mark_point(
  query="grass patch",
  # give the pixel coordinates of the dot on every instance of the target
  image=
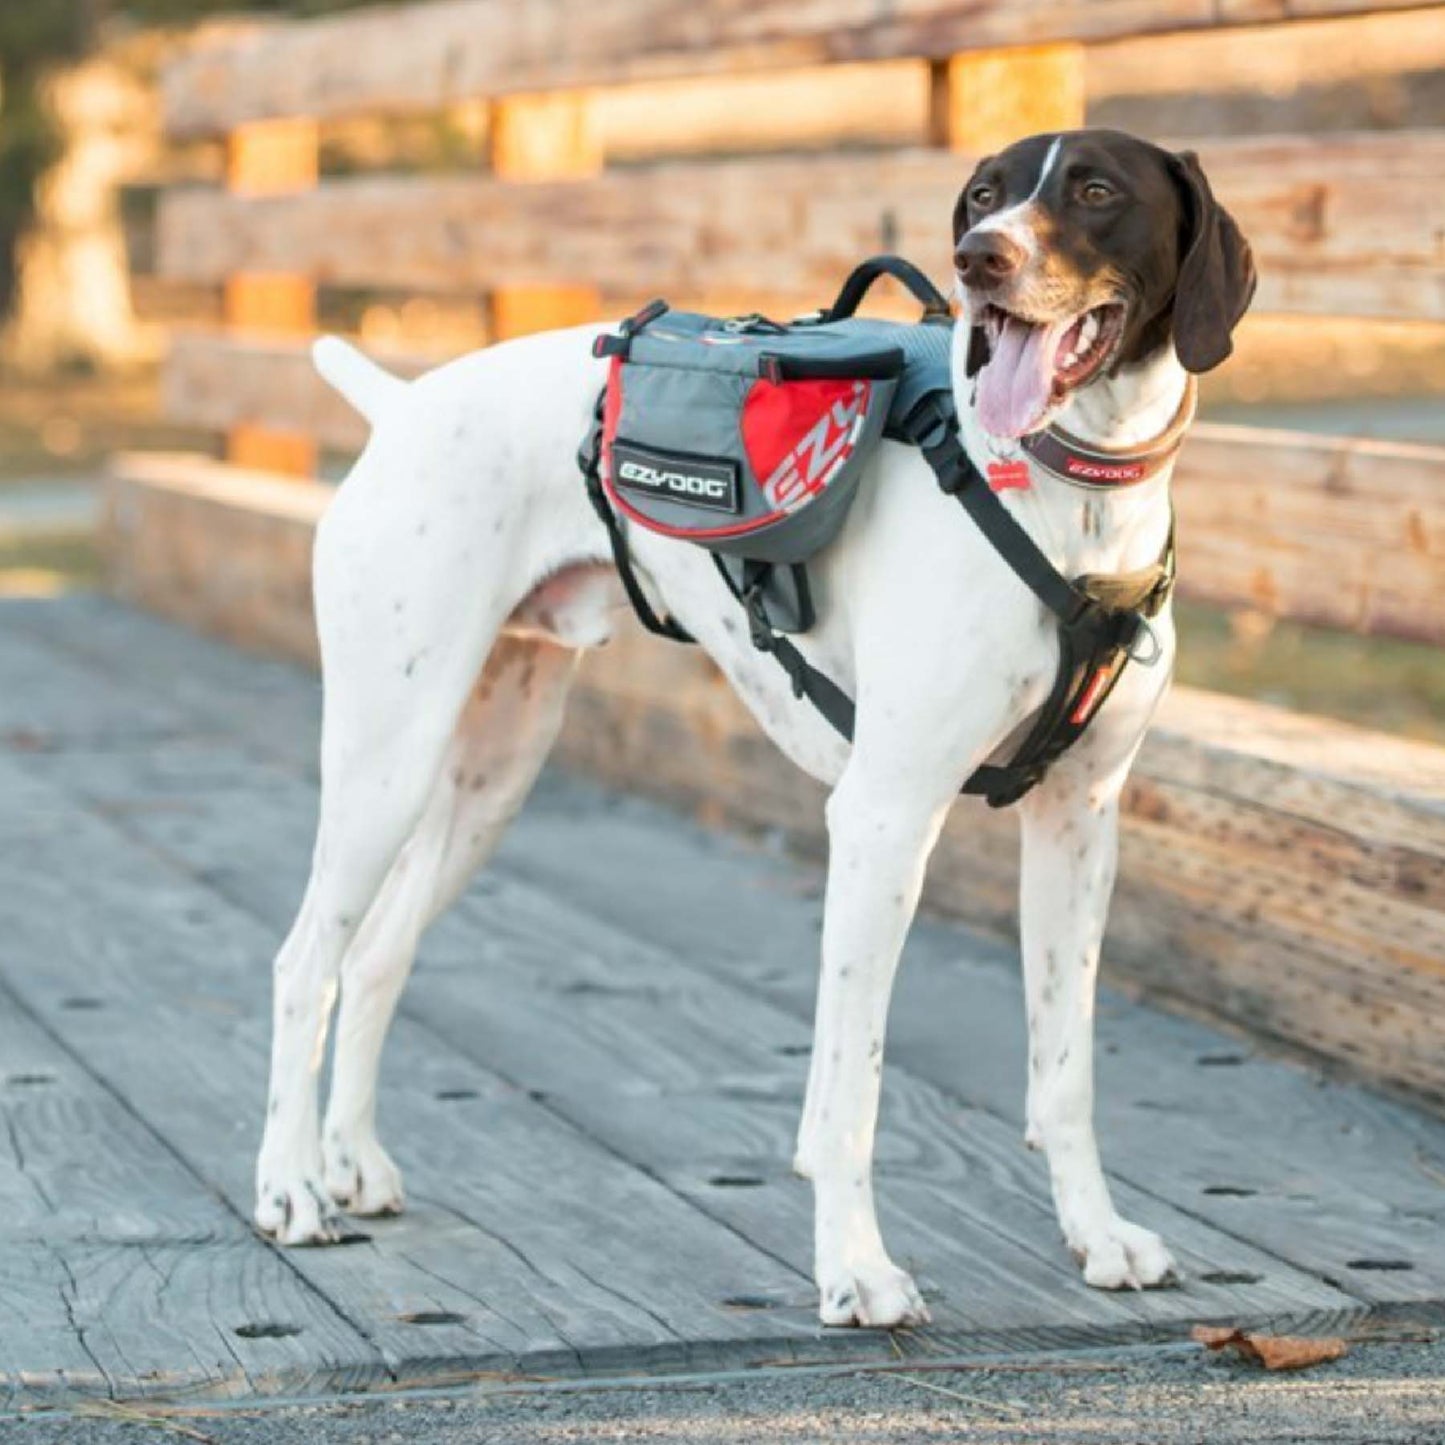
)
(42, 563)
(69, 425)
(1373, 682)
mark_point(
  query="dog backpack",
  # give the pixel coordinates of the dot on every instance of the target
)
(749, 437)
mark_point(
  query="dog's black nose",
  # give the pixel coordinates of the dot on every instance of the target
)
(987, 258)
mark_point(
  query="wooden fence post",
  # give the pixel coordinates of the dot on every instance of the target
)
(543, 138)
(269, 158)
(984, 99)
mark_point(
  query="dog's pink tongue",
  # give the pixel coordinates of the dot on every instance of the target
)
(1014, 388)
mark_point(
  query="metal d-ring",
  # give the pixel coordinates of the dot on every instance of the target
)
(1156, 650)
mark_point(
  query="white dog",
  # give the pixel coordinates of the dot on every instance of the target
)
(461, 571)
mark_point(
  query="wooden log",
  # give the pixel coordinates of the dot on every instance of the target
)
(220, 381)
(884, 103)
(1362, 72)
(421, 58)
(271, 158)
(985, 99)
(536, 138)
(1345, 226)
(1334, 531)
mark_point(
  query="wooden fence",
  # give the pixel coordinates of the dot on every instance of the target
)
(746, 154)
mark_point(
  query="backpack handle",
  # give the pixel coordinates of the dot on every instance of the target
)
(865, 274)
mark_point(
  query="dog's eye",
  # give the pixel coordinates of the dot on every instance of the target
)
(1095, 193)
(982, 196)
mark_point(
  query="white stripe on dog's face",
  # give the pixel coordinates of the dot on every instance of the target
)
(1019, 222)
(1063, 245)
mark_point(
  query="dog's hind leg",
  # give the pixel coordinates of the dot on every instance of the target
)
(501, 741)
(405, 622)
(1070, 843)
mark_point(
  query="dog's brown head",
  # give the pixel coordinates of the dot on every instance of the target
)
(1081, 252)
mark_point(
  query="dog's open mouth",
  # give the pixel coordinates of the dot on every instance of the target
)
(1032, 366)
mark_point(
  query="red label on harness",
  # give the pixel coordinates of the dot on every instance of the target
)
(1003, 475)
(1092, 693)
(798, 433)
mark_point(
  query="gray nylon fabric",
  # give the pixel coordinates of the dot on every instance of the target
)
(927, 362)
(685, 379)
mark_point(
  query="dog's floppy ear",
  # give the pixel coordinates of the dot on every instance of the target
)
(1216, 275)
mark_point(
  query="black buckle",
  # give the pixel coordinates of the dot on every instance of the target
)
(758, 625)
(644, 317)
(932, 430)
(620, 344)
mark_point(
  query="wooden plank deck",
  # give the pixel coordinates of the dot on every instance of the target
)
(594, 1100)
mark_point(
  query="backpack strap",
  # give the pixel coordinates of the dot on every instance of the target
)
(855, 288)
(1103, 621)
(820, 690)
(589, 459)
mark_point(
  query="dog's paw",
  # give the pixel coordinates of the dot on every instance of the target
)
(361, 1178)
(803, 1160)
(1123, 1256)
(295, 1210)
(805, 1150)
(878, 1296)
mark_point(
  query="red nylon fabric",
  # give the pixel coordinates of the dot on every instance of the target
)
(781, 423)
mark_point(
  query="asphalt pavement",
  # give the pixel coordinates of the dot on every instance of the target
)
(1386, 1393)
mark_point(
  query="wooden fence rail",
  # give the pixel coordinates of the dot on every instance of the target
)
(1350, 225)
(1334, 531)
(390, 60)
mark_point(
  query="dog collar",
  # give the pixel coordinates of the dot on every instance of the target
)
(1084, 465)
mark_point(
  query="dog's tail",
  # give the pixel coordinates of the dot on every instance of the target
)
(367, 386)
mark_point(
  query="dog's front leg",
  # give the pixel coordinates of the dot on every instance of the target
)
(878, 846)
(1070, 845)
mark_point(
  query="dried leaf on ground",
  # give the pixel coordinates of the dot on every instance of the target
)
(1273, 1352)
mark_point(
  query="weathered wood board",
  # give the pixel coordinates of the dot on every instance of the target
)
(1347, 224)
(700, 1085)
(620, 1269)
(648, 1038)
(556, 844)
(568, 1054)
(951, 1008)
(378, 60)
